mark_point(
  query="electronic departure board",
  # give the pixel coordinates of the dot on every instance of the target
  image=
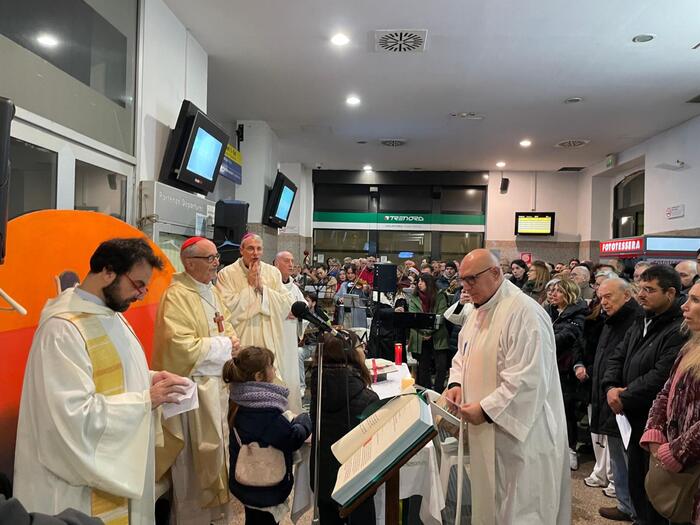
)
(534, 223)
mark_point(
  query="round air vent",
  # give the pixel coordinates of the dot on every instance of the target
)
(571, 143)
(393, 143)
(400, 40)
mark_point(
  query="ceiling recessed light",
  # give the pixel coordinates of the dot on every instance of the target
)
(339, 39)
(367, 167)
(573, 100)
(500, 164)
(47, 40)
(525, 143)
(353, 100)
(643, 38)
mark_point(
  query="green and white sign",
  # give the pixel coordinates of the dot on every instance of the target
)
(399, 221)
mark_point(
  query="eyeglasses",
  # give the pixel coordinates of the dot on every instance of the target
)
(142, 290)
(209, 258)
(649, 290)
(471, 279)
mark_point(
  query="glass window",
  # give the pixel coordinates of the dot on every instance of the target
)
(467, 201)
(628, 212)
(341, 197)
(341, 243)
(405, 199)
(455, 245)
(411, 245)
(630, 192)
(32, 178)
(73, 62)
(98, 189)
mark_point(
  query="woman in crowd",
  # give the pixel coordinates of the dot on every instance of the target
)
(341, 279)
(429, 347)
(672, 435)
(345, 315)
(518, 269)
(537, 279)
(568, 311)
(259, 413)
(346, 394)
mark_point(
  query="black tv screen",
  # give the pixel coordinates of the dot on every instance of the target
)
(279, 202)
(195, 150)
(534, 223)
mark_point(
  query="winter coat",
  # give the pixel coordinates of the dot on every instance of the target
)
(614, 329)
(518, 282)
(339, 415)
(538, 293)
(568, 329)
(268, 427)
(440, 337)
(678, 432)
(642, 364)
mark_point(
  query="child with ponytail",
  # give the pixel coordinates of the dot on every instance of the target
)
(259, 413)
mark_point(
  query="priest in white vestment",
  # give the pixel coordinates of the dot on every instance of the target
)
(193, 337)
(505, 378)
(258, 303)
(85, 437)
(292, 330)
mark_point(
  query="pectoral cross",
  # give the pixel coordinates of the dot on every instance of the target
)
(219, 320)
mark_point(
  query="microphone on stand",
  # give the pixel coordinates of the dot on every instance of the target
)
(300, 310)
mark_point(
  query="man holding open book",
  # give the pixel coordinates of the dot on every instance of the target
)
(504, 376)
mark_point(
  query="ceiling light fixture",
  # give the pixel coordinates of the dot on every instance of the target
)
(643, 38)
(367, 167)
(339, 39)
(500, 164)
(525, 143)
(353, 100)
(47, 40)
(573, 100)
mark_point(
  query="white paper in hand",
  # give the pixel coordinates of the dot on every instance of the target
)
(188, 401)
(625, 429)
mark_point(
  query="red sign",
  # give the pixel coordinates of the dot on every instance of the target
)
(526, 257)
(622, 246)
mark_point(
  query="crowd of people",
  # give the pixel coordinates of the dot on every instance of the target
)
(98, 432)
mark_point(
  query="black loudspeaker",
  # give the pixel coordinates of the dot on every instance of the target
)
(7, 113)
(504, 185)
(230, 221)
(385, 278)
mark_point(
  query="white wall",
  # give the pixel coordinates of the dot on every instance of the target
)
(531, 191)
(259, 151)
(173, 68)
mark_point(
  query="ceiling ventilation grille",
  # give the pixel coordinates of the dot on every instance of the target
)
(572, 143)
(571, 168)
(393, 143)
(400, 40)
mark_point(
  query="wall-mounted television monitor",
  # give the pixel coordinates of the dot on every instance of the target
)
(534, 223)
(279, 202)
(194, 152)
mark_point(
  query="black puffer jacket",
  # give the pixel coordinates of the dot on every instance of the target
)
(338, 417)
(642, 364)
(568, 329)
(614, 330)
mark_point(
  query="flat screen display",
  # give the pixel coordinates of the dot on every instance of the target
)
(285, 203)
(534, 223)
(205, 154)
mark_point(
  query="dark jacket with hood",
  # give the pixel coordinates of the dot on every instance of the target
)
(568, 329)
(614, 329)
(339, 414)
(642, 363)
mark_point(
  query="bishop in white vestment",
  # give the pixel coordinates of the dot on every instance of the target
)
(85, 437)
(505, 377)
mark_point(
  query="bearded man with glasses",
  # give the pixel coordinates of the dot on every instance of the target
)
(505, 380)
(194, 337)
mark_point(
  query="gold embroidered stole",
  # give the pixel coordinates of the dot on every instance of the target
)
(108, 376)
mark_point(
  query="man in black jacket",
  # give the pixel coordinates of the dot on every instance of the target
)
(619, 313)
(638, 369)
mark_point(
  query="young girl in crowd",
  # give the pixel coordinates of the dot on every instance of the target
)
(259, 414)
(345, 396)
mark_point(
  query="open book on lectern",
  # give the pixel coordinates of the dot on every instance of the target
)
(379, 442)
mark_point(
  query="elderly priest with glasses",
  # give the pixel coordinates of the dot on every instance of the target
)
(504, 377)
(194, 338)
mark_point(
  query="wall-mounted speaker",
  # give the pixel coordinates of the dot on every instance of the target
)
(385, 278)
(505, 182)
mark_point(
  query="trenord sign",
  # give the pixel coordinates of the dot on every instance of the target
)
(404, 218)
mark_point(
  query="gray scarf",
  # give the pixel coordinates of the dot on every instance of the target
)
(259, 394)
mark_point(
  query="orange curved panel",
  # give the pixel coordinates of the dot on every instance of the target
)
(40, 246)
